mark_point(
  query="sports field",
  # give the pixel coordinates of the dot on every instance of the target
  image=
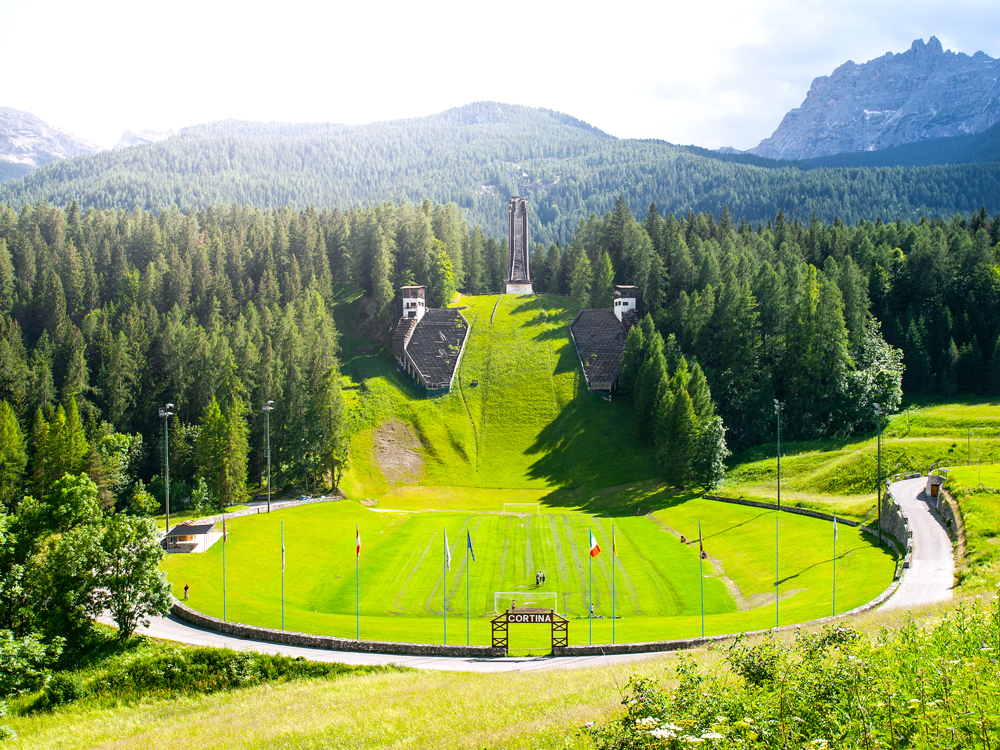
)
(528, 432)
(657, 581)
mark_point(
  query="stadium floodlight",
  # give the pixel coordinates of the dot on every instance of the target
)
(521, 509)
(504, 600)
(165, 415)
(268, 408)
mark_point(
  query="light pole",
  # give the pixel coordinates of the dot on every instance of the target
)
(777, 411)
(165, 415)
(879, 413)
(268, 408)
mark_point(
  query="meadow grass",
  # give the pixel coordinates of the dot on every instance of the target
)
(977, 490)
(544, 709)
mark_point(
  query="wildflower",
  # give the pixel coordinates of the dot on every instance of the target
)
(648, 721)
(711, 736)
(589, 724)
(663, 733)
(692, 740)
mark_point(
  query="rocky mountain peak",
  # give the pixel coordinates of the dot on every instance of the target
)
(925, 92)
(28, 140)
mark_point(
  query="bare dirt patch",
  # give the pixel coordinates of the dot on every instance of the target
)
(397, 450)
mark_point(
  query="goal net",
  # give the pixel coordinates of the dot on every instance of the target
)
(520, 509)
(504, 600)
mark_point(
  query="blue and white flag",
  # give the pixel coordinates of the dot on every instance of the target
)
(468, 543)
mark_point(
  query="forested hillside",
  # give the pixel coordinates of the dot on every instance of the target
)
(122, 311)
(479, 155)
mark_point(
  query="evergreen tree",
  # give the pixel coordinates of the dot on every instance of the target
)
(13, 457)
(602, 291)
(631, 360)
(581, 278)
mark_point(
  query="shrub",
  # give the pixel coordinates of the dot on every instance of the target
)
(913, 687)
(64, 687)
(24, 662)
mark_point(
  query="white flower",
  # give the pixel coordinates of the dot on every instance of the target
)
(663, 733)
(649, 721)
(692, 740)
(711, 736)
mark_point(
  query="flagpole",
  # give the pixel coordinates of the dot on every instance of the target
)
(357, 584)
(467, 631)
(835, 563)
(282, 574)
(444, 569)
(776, 575)
(614, 554)
(223, 566)
(590, 616)
(701, 579)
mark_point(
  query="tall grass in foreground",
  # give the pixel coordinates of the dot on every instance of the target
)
(930, 687)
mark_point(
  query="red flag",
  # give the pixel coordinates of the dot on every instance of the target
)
(358, 553)
(595, 550)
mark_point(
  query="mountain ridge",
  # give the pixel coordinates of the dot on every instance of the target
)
(925, 92)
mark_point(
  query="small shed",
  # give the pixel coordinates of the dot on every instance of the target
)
(191, 537)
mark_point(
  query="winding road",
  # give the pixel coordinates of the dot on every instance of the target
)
(929, 579)
(931, 574)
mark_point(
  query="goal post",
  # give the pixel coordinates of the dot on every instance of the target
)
(520, 509)
(503, 600)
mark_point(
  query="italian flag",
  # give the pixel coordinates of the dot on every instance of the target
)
(595, 550)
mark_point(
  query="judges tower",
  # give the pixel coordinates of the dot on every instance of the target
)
(518, 276)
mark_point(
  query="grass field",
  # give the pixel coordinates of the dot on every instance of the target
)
(403, 581)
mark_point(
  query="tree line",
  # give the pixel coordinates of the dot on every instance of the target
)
(479, 155)
(828, 319)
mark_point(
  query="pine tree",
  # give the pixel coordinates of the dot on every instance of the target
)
(602, 291)
(631, 360)
(652, 371)
(382, 293)
(13, 457)
(581, 278)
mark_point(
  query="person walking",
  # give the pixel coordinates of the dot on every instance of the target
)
(186, 590)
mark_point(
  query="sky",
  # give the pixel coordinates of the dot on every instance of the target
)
(712, 73)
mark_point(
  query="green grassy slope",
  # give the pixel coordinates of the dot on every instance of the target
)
(529, 423)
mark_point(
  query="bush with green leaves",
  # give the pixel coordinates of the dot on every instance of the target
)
(6, 733)
(921, 687)
(63, 687)
(25, 662)
(204, 670)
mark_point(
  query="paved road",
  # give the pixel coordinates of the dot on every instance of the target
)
(174, 629)
(932, 567)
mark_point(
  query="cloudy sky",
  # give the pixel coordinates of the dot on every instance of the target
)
(713, 72)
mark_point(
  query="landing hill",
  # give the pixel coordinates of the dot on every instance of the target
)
(518, 419)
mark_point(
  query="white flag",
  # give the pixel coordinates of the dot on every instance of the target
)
(447, 552)
(835, 528)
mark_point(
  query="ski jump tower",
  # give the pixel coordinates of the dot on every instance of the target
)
(518, 276)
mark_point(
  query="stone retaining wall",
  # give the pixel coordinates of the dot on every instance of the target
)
(274, 506)
(327, 642)
(784, 509)
(679, 645)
